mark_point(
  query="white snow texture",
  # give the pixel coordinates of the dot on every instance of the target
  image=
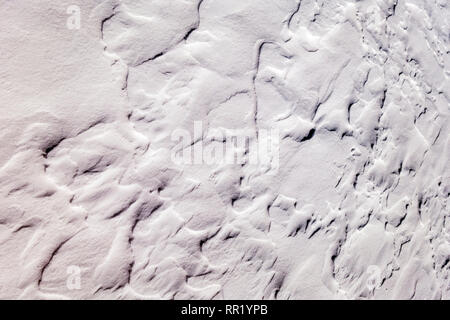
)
(354, 203)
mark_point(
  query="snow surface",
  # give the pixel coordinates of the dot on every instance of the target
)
(92, 204)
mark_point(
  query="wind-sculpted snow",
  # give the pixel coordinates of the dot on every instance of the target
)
(351, 97)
